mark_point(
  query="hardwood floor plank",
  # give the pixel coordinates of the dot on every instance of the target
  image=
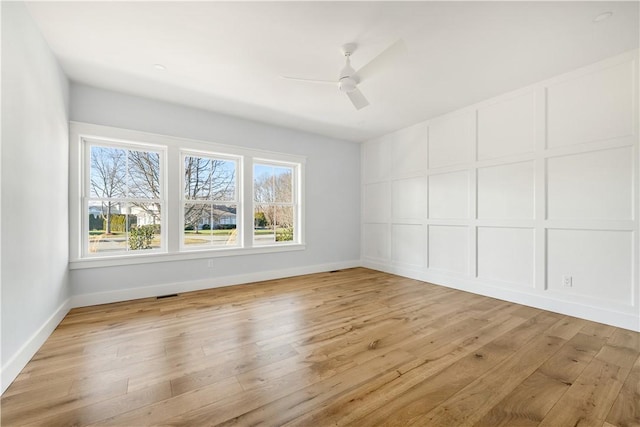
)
(211, 375)
(355, 405)
(530, 402)
(157, 413)
(95, 412)
(38, 409)
(590, 397)
(625, 411)
(598, 330)
(437, 379)
(290, 406)
(357, 347)
(476, 399)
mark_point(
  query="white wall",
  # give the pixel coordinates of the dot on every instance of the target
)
(331, 192)
(505, 197)
(34, 190)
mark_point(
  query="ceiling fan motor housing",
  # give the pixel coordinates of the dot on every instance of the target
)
(347, 84)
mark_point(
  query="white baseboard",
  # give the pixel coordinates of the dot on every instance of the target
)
(19, 360)
(84, 300)
(627, 319)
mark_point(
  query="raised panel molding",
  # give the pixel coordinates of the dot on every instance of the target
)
(409, 150)
(408, 244)
(599, 263)
(376, 241)
(507, 127)
(595, 185)
(506, 191)
(451, 140)
(516, 192)
(506, 255)
(409, 198)
(591, 107)
(375, 160)
(448, 248)
(376, 206)
(449, 195)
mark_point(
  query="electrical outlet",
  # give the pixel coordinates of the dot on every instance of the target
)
(567, 281)
(210, 263)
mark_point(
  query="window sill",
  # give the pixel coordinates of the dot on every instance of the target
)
(114, 261)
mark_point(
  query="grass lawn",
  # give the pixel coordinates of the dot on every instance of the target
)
(208, 232)
(187, 233)
(222, 232)
(101, 232)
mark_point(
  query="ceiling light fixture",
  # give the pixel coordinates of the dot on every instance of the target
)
(160, 67)
(603, 16)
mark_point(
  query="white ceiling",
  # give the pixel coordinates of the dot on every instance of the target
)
(228, 56)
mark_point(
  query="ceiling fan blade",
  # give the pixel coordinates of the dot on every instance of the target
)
(334, 82)
(357, 99)
(385, 59)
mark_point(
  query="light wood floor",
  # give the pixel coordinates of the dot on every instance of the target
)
(355, 347)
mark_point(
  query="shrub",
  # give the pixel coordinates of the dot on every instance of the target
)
(96, 222)
(141, 237)
(260, 219)
(225, 227)
(119, 222)
(284, 234)
(206, 227)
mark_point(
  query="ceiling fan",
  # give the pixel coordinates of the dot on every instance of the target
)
(348, 79)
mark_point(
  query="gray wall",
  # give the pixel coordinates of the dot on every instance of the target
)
(332, 191)
(34, 180)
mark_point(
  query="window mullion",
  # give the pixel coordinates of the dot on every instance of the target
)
(173, 186)
(248, 202)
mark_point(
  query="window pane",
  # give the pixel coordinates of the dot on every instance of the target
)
(107, 224)
(144, 174)
(264, 225)
(108, 172)
(209, 225)
(272, 184)
(197, 172)
(284, 223)
(263, 183)
(223, 182)
(283, 184)
(209, 179)
(274, 203)
(144, 226)
(116, 227)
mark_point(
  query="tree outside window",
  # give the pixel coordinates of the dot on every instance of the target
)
(274, 203)
(210, 202)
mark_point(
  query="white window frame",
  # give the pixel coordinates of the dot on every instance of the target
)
(173, 223)
(87, 144)
(296, 196)
(238, 199)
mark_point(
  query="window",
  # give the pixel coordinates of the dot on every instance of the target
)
(275, 207)
(124, 199)
(153, 198)
(210, 202)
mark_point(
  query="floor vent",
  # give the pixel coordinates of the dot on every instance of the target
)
(334, 271)
(167, 296)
